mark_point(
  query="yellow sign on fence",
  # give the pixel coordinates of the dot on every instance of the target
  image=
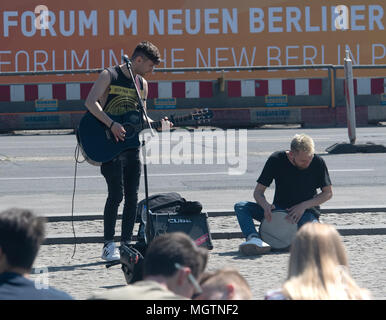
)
(46, 105)
(276, 100)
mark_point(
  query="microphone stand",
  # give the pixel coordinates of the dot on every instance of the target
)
(143, 115)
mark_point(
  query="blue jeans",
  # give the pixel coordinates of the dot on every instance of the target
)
(246, 211)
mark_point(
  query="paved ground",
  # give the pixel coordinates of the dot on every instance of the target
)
(37, 171)
(86, 273)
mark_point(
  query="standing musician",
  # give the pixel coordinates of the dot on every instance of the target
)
(298, 174)
(114, 93)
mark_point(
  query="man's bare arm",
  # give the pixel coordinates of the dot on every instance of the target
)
(297, 211)
(320, 198)
(97, 91)
(259, 196)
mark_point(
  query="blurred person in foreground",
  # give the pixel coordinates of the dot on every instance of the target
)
(172, 264)
(224, 284)
(21, 234)
(318, 268)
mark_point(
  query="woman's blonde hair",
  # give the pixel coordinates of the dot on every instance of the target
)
(302, 142)
(318, 267)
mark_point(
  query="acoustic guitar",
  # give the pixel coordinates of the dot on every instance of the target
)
(98, 144)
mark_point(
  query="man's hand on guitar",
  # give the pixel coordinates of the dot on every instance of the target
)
(166, 124)
(118, 131)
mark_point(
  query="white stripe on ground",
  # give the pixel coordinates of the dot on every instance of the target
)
(154, 175)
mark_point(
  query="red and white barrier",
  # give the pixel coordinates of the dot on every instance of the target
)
(167, 89)
(369, 86)
(190, 89)
(32, 92)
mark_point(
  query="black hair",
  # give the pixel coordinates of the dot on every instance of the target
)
(21, 234)
(148, 50)
(170, 248)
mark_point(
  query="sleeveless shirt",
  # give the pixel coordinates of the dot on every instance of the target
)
(122, 96)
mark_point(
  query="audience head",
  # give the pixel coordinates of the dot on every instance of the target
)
(318, 266)
(175, 257)
(224, 284)
(21, 234)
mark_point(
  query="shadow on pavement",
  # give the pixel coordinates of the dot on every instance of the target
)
(68, 267)
(238, 256)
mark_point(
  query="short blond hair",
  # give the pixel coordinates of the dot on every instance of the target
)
(219, 279)
(302, 142)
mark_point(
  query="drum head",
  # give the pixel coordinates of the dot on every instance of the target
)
(279, 232)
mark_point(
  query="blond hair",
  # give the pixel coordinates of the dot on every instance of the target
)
(318, 267)
(302, 142)
(219, 279)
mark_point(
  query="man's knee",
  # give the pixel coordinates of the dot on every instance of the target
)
(308, 217)
(115, 198)
(131, 199)
(239, 206)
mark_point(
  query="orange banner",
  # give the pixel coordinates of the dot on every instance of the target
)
(72, 35)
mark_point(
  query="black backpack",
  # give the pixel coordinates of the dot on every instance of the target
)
(171, 202)
(161, 202)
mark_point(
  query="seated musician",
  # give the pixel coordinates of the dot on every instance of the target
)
(298, 173)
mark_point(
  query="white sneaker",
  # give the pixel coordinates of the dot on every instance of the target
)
(254, 246)
(110, 252)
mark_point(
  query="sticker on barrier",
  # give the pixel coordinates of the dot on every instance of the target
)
(276, 116)
(276, 100)
(46, 105)
(383, 99)
(165, 103)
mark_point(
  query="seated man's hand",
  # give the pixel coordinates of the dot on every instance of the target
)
(295, 213)
(268, 212)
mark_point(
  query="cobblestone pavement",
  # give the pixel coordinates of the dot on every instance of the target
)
(86, 273)
(220, 224)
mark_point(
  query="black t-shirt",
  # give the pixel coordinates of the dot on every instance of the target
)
(14, 286)
(293, 185)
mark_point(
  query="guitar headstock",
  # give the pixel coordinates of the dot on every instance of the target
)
(202, 116)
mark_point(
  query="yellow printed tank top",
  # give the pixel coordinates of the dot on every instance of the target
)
(122, 96)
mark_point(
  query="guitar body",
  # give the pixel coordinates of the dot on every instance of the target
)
(98, 144)
(97, 141)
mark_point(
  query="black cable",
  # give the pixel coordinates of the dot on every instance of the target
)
(76, 156)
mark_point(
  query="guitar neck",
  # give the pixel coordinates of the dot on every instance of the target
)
(174, 119)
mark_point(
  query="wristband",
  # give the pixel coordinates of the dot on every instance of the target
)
(111, 125)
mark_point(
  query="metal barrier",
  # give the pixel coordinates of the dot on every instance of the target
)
(246, 102)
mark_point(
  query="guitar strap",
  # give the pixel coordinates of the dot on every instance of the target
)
(137, 80)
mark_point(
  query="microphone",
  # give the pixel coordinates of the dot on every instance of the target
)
(126, 59)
